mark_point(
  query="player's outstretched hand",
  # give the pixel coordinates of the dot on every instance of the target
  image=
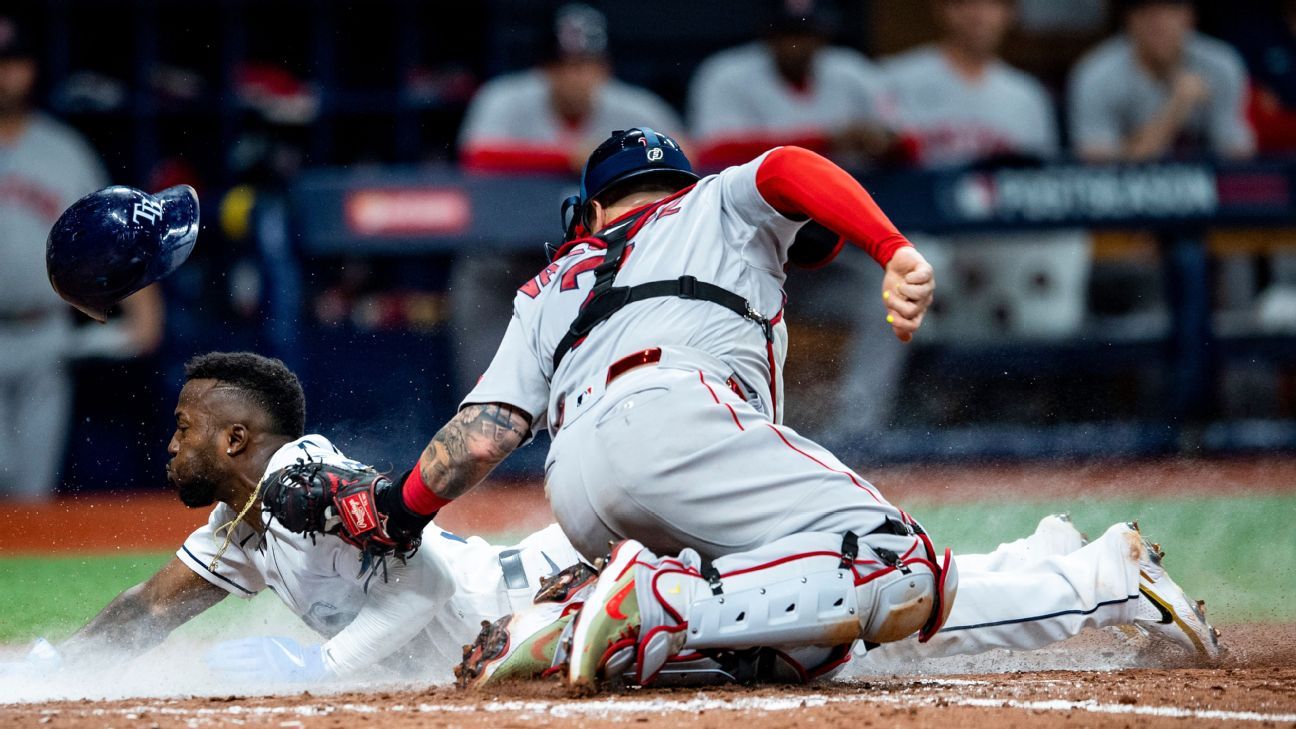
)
(42, 660)
(267, 660)
(332, 498)
(907, 289)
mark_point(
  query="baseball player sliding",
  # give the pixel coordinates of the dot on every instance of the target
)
(651, 348)
(239, 420)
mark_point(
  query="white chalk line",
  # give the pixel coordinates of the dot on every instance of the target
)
(612, 707)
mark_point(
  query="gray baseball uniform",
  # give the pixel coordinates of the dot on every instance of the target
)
(47, 168)
(956, 119)
(1112, 95)
(665, 429)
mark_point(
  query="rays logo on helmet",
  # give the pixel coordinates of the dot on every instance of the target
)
(148, 209)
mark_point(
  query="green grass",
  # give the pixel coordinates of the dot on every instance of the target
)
(1237, 553)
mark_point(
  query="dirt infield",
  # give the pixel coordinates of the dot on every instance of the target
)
(157, 520)
(1255, 686)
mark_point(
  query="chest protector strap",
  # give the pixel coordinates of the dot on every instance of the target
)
(607, 299)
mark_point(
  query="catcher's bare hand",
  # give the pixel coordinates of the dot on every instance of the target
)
(907, 289)
(335, 499)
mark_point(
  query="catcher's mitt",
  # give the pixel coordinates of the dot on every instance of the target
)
(334, 499)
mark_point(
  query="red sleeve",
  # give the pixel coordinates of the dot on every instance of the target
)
(510, 156)
(800, 183)
(721, 152)
(1274, 125)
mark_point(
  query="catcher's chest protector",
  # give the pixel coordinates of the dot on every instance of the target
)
(607, 299)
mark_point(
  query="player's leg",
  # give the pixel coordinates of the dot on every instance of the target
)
(41, 403)
(812, 589)
(680, 462)
(9, 469)
(1115, 580)
(1054, 535)
(677, 460)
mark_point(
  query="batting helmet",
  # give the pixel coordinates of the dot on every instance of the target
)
(626, 155)
(116, 241)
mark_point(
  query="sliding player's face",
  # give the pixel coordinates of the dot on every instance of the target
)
(195, 466)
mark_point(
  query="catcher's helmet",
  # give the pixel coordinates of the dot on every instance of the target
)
(116, 241)
(627, 154)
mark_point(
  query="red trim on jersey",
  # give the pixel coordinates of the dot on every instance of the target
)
(566, 247)
(798, 182)
(714, 396)
(847, 474)
(649, 208)
(781, 560)
(511, 155)
(773, 363)
(419, 497)
(735, 149)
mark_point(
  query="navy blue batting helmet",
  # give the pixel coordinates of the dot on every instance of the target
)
(626, 155)
(116, 241)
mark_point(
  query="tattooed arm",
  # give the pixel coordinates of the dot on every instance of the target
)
(468, 447)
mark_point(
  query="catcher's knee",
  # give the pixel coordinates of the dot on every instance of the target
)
(906, 595)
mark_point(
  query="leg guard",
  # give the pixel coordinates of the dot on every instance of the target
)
(803, 590)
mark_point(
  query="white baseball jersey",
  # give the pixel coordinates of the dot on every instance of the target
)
(722, 232)
(366, 609)
(957, 120)
(515, 108)
(740, 92)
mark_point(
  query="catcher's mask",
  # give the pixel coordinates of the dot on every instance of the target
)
(625, 155)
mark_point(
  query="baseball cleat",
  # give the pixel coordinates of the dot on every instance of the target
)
(566, 584)
(1165, 611)
(514, 647)
(608, 622)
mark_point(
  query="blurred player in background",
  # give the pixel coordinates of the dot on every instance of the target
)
(790, 87)
(44, 167)
(542, 120)
(240, 418)
(1159, 90)
(548, 118)
(959, 103)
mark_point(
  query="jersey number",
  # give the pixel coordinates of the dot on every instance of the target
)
(533, 287)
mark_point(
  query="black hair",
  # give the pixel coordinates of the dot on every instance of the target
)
(267, 382)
